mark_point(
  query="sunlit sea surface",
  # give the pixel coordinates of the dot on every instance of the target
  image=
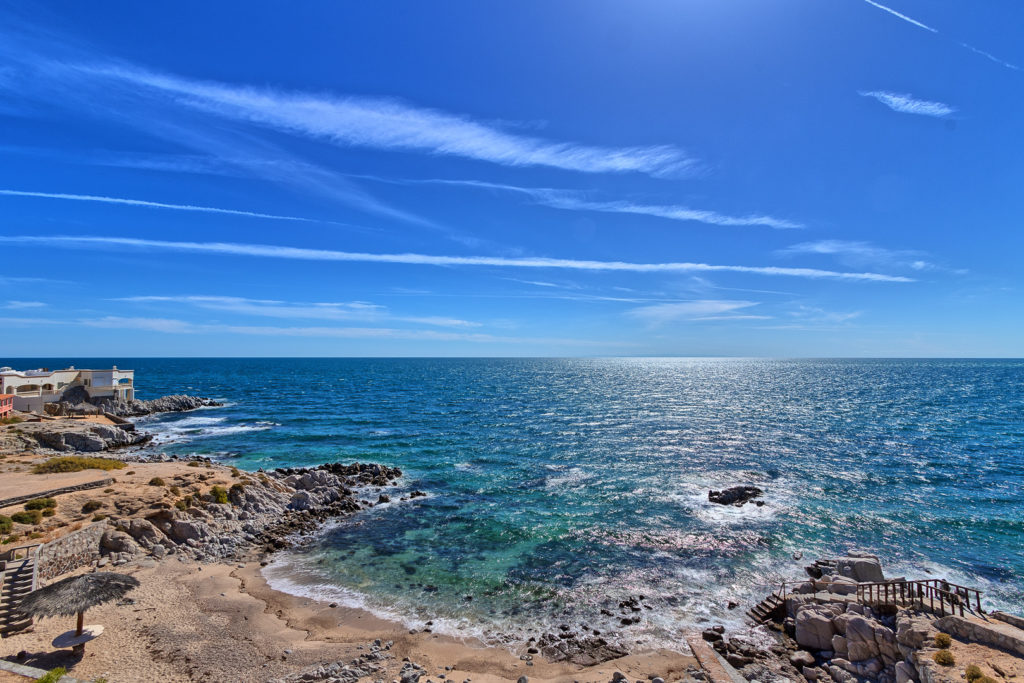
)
(558, 487)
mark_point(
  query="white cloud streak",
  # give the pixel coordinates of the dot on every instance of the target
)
(573, 201)
(147, 204)
(908, 104)
(861, 254)
(928, 28)
(698, 310)
(389, 124)
(304, 254)
(344, 311)
(23, 304)
(904, 17)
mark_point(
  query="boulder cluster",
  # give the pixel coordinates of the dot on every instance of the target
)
(737, 496)
(77, 401)
(67, 436)
(365, 665)
(268, 512)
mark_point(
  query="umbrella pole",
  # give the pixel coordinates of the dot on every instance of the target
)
(81, 623)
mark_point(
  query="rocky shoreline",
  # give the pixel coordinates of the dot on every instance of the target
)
(68, 428)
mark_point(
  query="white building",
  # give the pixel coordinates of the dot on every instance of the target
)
(33, 388)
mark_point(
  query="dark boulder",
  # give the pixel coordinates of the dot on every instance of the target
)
(736, 495)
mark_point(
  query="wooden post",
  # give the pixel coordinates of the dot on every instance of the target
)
(81, 623)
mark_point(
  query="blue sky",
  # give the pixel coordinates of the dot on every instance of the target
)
(753, 178)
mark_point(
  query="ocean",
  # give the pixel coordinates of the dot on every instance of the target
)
(558, 487)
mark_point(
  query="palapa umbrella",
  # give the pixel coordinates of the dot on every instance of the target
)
(74, 595)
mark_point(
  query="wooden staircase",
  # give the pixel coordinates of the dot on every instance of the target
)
(767, 609)
(18, 578)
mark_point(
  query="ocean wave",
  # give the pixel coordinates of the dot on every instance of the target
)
(198, 427)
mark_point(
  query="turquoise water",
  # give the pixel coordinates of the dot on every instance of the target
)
(558, 487)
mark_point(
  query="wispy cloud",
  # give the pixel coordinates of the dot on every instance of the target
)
(337, 311)
(23, 304)
(699, 310)
(862, 254)
(147, 204)
(814, 314)
(577, 201)
(908, 104)
(297, 253)
(175, 326)
(930, 29)
(390, 124)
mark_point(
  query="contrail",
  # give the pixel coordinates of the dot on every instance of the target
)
(151, 205)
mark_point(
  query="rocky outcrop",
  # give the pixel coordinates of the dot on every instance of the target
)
(69, 435)
(268, 512)
(736, 495)
(178, 403)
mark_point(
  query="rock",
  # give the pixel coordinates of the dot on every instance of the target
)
(736, 495)
(842, 585)
(812, 673)
(801, 658)
(523, 679)
(158, 551)
(867, 639)
(860, 567)
(619, 676)
(905, 673)
(839, 645)
(118, 542)
(711, 635)
(814, 628)
(144, 533)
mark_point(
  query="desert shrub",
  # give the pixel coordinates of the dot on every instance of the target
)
(91, 506)
(944, 658)
(237, 488)
(13, 538)
(235, 472)
(157, 481)
(98, 518)
(49, 512)
(6, 524)
(943, 641)
(985, 679)
(175, 491)
(219, 494)
(193, 463)
(973, 672)
(10, 420)
(35, 534)
(108, 490)
(27, 517)
(40, 504)
(53, 675)
(76, 463)
(130, 472)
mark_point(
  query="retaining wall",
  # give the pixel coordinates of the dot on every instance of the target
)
(77, 549)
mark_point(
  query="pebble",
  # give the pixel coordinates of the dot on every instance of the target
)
(523, 679)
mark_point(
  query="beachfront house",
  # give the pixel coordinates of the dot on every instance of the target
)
(32, 389)
(6, 405)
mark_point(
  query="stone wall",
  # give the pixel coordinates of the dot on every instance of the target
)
(993, 633)
(77, 549)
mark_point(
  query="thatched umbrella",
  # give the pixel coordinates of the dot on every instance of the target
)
(74, 595)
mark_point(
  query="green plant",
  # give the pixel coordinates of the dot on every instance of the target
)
(219, 495)
(76, 463)
(40, 504)
(35, 534)
(10, 420)
(27, 517)
(944, 658)
(101, 679)
(6, 524)
(943, 641)
(98, 518)
(108, 490)
(235, 472)
(175, 491)
(973, 672)
(53, 675)
(49, 512)
(91, 506)
(193, 463)
(156, 481)
(985, 679)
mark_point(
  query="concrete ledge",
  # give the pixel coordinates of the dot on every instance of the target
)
(711, 662)
(18, 500)
(30, 672)
(1010, 619)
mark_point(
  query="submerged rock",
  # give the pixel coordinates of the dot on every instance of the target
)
(735, 495)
